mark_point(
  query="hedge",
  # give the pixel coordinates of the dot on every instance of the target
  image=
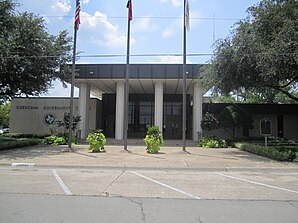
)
(22, 135)
(9, 143)
(269, 152)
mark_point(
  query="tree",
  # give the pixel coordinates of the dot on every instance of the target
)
(232, 118)
(209, 122)
(30, 58)
(261, 55)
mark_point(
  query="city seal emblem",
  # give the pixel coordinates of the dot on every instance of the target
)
(49, 119)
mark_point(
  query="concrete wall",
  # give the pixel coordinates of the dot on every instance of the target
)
(28, 115)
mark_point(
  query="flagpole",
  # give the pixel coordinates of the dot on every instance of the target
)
(72, 89)
(184, 83)
(126, 96)
(73, 68)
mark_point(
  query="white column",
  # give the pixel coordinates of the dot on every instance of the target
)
(197, 110)
(84, 106)
(158, 119)
(119, 111)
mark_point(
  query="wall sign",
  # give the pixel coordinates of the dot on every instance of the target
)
(265, 127)
(49, 119)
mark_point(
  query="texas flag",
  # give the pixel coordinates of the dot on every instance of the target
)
(129, 6)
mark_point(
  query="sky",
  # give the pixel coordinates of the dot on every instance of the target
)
(156, 29)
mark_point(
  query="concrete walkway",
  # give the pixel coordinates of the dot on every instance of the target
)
(169, 157)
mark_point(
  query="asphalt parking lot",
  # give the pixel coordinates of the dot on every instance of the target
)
(48, 184)
(188, 184)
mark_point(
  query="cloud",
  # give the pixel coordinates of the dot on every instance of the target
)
(177, 25)
(172, 29)
(145, 25)
(86, 1)
(171, 60)
(104, 32)
(57, 90)
(176, 3)
(61, 7)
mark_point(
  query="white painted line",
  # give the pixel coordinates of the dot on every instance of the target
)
(165, 185)
(257, 183)
(22, 164)
(64, 187)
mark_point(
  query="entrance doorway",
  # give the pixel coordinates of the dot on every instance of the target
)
(172, 120)
(280, 126)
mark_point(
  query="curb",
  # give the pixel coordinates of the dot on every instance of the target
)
(197, 169)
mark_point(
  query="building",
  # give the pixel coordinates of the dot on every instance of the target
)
(36, 115)
(155, 98)
(283, 118)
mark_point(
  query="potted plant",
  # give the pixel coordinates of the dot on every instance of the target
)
(97, 141)
(153, 139)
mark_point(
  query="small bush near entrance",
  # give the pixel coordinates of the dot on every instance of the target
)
(60, 139)
(212, 142)
(97, 141)
(153, 139)
(270, 151)
(54, 140)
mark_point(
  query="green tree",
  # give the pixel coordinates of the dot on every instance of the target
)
(232, 118)
(261, 55)
(4, 114)
(209, 122)
(30, 58)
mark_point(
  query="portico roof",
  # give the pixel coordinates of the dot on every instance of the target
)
(103, 78)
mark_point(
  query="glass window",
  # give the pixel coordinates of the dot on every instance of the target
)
(167, 108)
(177, 108)
(131, 113)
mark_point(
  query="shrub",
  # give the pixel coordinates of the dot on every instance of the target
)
(97, 141)
(10, 143)
(22, 135)
(54, 140)
(153, 140)
(212, 142)
(65, 122)
(296, 158)
(269, 152)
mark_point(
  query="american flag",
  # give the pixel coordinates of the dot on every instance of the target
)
(77, 15)
(186, 14)
(129, 6)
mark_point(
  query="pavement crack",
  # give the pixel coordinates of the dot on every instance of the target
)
(140, 204)
(200, 221)
(105, 190)
(293, 205)
(19, 212)
(186, 163)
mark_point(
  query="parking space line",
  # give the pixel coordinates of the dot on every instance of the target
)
(165, 185)
(257, 183)
(64, 187)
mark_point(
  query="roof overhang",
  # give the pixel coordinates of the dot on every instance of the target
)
(103, 78)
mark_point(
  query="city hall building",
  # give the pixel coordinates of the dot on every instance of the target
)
(155, 98)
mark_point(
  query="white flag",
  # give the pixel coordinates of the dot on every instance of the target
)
(186, 14)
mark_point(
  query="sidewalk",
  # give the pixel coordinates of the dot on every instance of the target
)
(170, 157)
